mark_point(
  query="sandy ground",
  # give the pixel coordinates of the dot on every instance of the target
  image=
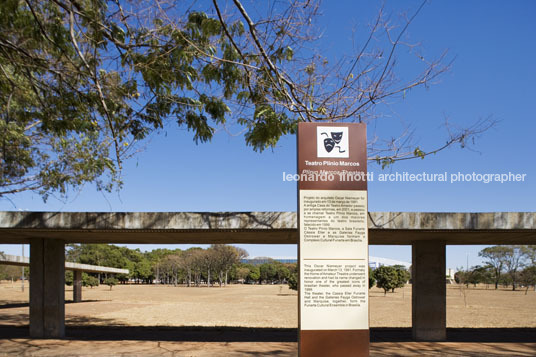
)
(250, 320)
(262, 306)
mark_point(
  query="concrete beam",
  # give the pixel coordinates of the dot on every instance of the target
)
(429, 299)
(87, 268)
(47, 288)
(398, 228)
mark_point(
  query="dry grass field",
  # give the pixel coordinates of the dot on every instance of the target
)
(261, 306)
(235, 321)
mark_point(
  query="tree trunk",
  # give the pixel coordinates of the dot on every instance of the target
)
(225, 281)
(208, 279)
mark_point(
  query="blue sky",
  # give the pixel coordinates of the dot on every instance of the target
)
(493, 74)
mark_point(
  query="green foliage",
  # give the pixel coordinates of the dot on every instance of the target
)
(461, 276)
(142, 270)
(481, 275)
(69, 277)
(403, 276)
(254, 274)
(268, 272)
(495, 257)
(282, 272)
(242, 272)
(508, 259)
(111, 282)
(389, 277)
(293, 281)
(528, 277)
(88, 280)
(165, 265)
(386, 278)
(81, 84)
(371, 278)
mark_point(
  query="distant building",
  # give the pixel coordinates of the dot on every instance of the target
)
(262, 260)
(374, 262)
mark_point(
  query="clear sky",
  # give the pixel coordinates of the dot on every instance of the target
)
(494, 46)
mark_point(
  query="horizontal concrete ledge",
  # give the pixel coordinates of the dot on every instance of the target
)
(260, 227)
(148, 220)
(25, 261)
(94, 268)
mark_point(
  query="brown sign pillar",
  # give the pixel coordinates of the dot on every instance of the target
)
(333, 245)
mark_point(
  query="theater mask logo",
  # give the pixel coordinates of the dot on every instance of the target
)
(332, 141)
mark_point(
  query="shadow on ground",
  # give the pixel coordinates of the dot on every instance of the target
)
(84, 340)
(10, 305)
(78, 329)
(480, 335)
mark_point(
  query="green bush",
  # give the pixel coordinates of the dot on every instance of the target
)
(88, 280)
(371, 279)
(386, 278)
(111, 282)
(293, 281)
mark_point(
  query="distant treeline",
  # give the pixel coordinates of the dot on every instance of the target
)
(506, 265)
(219, 264)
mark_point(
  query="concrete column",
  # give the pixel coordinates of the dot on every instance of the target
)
(429, 299)
(47, 288)
(77, 286)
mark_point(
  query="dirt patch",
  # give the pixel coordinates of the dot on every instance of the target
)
(245, 320)
(262, 306)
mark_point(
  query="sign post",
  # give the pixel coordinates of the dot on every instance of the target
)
(333, 245)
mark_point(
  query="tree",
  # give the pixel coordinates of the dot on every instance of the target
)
(84, 82)
(528, 277)
(209, 261)
(371, 279)
(513, 261)
(194, 263)
(69, 277)
(386, 278)
(495, 257)
(171, 266)
(481, 274)
(111, 282)
(403, 276)
(282, 273)
(293, 281)
(268, 272)
(242, 273)
(529, 251)
(88, 280)
(462, 277)
(225, 256)
(254, 274)
(143, 271)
